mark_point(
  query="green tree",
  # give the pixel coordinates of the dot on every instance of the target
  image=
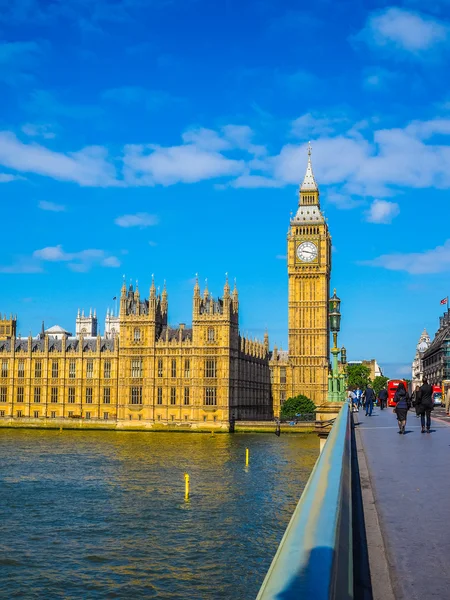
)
(379, 383)
(298, 405)
(358, 376)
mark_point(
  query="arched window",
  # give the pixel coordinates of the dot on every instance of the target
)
(137, 334)
(211, 334)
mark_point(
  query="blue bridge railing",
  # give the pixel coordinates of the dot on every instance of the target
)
(314, 560)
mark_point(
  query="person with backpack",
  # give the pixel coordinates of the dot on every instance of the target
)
(424, 401)
(402, 405)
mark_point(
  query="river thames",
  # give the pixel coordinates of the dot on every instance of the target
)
(103, 515)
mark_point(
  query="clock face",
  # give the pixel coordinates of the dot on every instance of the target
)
(307, 251)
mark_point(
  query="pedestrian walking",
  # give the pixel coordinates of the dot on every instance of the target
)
(370, 399)
(403, 404)
(382, 397)
(358, 393)
(426, 404)
(415, 400)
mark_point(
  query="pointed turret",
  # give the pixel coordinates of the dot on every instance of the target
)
(206, 291)
(196, 287)
(226, 287)
(197, 299)
(308, 211)
(153, 288)
(137, 299)
(123, 298)
(164, 303)
(309, 183)
(235, 297)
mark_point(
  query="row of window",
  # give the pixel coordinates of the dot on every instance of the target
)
(210, 367)
(55, 369)
(210, 397)
(87, 415)
(136, 368)
(36, 415)
(54, 395)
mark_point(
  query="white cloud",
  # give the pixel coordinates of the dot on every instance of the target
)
(342, 201)
(111, 261)
(255, 181)
(22, 265)
(397, 29)
(88, 167)
(38, 130)
(52, 253)
(82, 260)
(205, 139)
(382, 211)
(51, 206)
(371, 162)
(137, 220)
(359, 162)
(241, 136)
(7, 177)
(436, 260)
(310, 125)
(151, 165)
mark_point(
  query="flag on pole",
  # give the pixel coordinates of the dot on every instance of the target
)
(444, 300)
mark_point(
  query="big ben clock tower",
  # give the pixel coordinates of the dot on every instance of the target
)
(309, 267)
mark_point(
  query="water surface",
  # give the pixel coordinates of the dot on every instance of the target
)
(103, 515)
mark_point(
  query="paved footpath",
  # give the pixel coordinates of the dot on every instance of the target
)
(410, 477)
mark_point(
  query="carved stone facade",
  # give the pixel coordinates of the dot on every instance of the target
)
(304, 368)
(144, 373)
(86, 326)
(436, 358)
(153, 376)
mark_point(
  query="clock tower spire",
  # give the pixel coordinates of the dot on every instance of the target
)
(309, 269)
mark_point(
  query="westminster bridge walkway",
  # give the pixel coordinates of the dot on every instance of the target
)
(374, 520)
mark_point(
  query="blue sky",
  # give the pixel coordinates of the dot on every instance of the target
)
(168, 137)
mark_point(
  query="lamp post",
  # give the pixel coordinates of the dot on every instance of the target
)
(336, 382)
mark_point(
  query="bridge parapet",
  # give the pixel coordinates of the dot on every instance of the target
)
(315, 556)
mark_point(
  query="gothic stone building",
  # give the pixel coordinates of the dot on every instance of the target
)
(436, 358)
(143, 373)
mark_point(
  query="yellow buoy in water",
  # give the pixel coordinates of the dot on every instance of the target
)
(246, 457)
(186, 486)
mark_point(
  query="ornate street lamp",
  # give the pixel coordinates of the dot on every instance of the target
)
(335, 317)
(337, 382)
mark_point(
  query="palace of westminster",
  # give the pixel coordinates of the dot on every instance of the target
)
(144, 374)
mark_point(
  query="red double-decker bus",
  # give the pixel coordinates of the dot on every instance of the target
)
(392, 386)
